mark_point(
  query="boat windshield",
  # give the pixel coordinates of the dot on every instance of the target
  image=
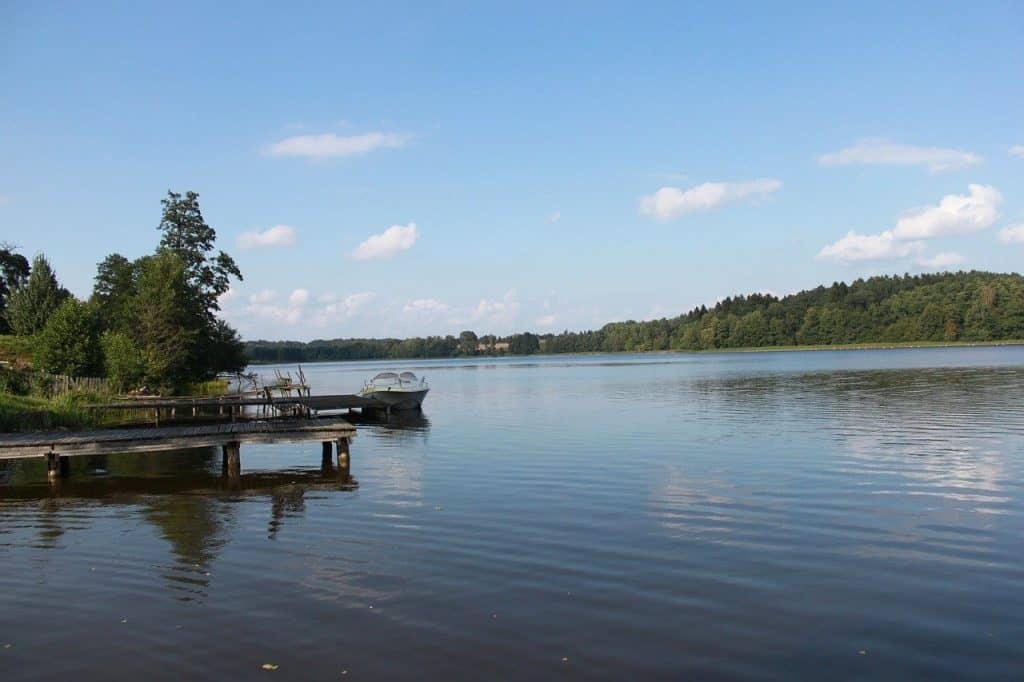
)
(393, 379)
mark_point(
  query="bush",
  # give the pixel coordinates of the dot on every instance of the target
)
(124, 361)
(69, 343)
(16, 382)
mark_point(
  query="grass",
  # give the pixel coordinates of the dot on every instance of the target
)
(205, 389)
(26, 413)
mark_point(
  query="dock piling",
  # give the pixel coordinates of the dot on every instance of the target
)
(57, 466)
(343, 455)
(232, 457)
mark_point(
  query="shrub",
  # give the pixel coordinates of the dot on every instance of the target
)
(69, 343)
(124, 361)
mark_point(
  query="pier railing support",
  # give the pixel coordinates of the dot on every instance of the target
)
(327, 457)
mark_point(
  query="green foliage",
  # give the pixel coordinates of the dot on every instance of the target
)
(218, 349)
(69, 343)
(164, 327)
(124, 361)
(16, 350)
(14, 271)
(113, 291)
(30, 305)
(14, 381)
(186, 233)
(964, 306)
(467, 343)
(161, 309)
(523, 344)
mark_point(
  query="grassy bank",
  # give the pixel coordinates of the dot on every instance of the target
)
(27, 413)
(25, 407)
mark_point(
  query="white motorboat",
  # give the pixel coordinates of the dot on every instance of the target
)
(396, 391)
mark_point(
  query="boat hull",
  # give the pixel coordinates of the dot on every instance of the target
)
(398, 399)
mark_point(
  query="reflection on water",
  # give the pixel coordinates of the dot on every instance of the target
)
(767, 515)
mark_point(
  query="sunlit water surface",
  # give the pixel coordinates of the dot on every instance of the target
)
(779, 515)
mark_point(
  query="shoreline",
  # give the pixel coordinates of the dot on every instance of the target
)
(874, 345)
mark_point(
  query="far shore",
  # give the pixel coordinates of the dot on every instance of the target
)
(882, 345)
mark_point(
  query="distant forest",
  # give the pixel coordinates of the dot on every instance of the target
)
(945, 307)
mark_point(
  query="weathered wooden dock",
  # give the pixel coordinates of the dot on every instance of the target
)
(58, 446)
(239, 406)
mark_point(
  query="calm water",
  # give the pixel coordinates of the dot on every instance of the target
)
(854, 515)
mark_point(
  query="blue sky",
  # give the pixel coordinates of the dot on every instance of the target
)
(406, 169)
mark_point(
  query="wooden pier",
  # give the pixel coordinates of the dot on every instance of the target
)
(241, 406)
(57, 446)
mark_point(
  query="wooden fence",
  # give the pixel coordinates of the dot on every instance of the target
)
(54, 385)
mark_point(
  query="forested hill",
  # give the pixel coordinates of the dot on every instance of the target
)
(962, 306)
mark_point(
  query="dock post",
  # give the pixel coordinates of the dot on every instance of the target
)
(232, 457)
(326, 461)
(57, 465)
(343, 456)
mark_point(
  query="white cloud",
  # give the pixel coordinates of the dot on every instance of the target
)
(954, 215)
(262, 305)
(855, 247)
(941, 261)
(546, 322)
(278, 235)
(1012, 234)
(353, 302)
(330, 145)
(347, 307)
(555, 217)
(425, 306)
(669, 202)
(882, 152)
(395, 239)
(265, 296)
(228, 295)
(1017, 150)
(491, 311)
(4, 199)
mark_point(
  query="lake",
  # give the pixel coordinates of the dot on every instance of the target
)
(845, 515)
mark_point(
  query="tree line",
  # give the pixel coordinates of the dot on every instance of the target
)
(150, 322)
(467, 344)
(943, 307)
